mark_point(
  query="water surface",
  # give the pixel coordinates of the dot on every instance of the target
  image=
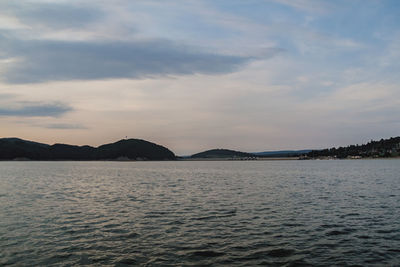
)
(231, 213)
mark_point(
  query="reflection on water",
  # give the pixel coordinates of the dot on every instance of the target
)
(289, 213)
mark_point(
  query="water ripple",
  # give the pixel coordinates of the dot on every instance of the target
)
(314, 213)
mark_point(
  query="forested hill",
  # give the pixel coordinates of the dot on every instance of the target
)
(222, 153)
(375, 149)
(127, 149)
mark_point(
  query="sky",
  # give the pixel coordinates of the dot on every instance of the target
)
(254, 75)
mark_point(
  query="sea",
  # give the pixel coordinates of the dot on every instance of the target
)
(200, 213)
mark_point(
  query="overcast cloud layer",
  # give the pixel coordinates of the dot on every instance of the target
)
(193, 75)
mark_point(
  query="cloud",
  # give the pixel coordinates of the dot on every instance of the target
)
(41, 61)
(63, 126)
(6, 96)
(112, 44)
(34, 109)
(312, 6)
(113, 63)
(52, 15)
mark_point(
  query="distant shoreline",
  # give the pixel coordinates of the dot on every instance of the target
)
(16, 149)
(238, 159)
(198, 159)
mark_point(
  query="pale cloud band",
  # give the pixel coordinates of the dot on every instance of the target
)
(29, 109)
(11, 105)
(63, 126)
(34, 51)
(41, 61)
(56, 15)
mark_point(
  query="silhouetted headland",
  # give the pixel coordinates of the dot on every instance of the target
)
(225, 154)
(127, 149)
(221, 154)
(385, 148)
(282, 153)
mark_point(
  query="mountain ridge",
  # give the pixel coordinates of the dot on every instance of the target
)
(128, 149)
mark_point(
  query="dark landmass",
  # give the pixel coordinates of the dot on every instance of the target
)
(385, 148)
(136, 149)
(221, 154)
(128, 149)
(282, 153)
(232, 154)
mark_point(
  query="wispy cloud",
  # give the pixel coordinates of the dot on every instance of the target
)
(6, 96)
(34, 109)
(42, 61)
(312, 6)
(87, 41)
(63, 126)
(50, 14)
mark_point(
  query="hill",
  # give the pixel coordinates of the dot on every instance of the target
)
(221, 153)
(373, 149)
(129, 149)
(281, 153)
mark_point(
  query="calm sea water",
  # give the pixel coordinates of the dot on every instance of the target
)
(231, 213)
